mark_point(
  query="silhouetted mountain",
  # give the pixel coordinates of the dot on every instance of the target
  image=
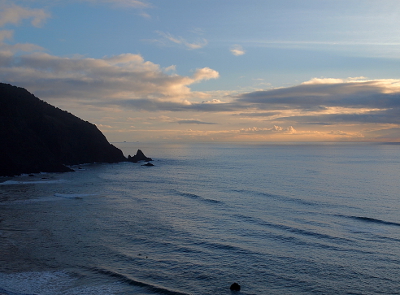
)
(38, 137)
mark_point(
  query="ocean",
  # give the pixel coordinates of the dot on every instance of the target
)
(293, 218)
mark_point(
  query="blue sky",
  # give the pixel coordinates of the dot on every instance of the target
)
(201, 70)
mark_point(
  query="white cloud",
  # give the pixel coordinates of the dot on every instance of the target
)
(237, 50)
(170, 68)
(274, 129)
(133, 3)
(205, 74)
(125, 76)
(197, 44)
(314, 81)
(291, 130)
(8, 49)
(13, 14)
(125, 3)
(212, 101)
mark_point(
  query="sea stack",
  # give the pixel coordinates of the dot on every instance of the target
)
(139, 157)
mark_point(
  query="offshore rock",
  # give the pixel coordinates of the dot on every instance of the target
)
(139, 157)
(235, 287)
(38, 137)
(148, 165)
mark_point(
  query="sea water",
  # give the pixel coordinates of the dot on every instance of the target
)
(275, 218)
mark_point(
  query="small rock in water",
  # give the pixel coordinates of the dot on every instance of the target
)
(139, 157)
(148, 165)
(235, 287)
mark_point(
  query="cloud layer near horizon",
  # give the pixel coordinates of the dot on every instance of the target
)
(129, 82)
(329, 101)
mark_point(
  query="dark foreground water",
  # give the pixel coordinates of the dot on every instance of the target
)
(277, 219)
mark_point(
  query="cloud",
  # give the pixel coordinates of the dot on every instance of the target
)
(391, 116)
(237, 50)
(169, 38)
(333, 80)
(153, 105)
(317, 104)
(124, 3)
(130, 82)
(124, 77)
(170, 68)
(7, 49)
(317, 95)
(13, 14)
(132, 3)
(328, 101)
(258, 114)
(274, 129)
(205, 74)
(198, 122)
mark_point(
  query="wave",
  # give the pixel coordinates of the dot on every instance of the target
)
(5, 292)
(286, 228)
(277, 197)
(46, 181)
(125, 279)
(370, 220)
(197, 197)
(72, 196)
(54, 198)
(51, 283)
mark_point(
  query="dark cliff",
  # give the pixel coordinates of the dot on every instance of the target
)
(38, 137)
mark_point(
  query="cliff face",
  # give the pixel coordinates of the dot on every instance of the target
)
(38, 137)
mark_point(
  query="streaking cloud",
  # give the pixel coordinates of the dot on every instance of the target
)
(193, 121)
(237, 50)
(127, 3)
(169, 38)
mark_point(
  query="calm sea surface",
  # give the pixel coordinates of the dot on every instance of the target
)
(277, 219)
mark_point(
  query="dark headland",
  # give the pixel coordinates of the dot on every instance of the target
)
(38, 137)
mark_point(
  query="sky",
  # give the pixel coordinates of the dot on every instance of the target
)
(211, 70)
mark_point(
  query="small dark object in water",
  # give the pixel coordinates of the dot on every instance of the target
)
(235, 287)
(148, 164)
